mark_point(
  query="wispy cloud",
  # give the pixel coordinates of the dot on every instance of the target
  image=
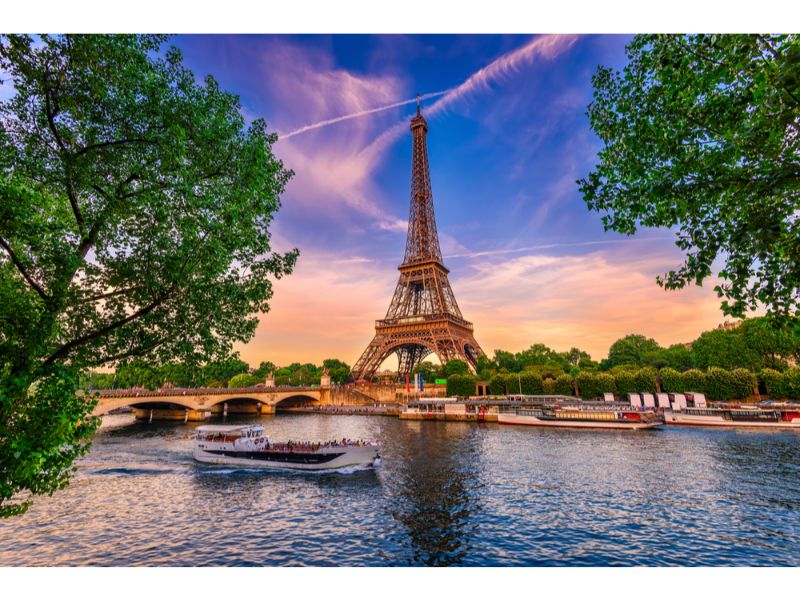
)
(575, 244)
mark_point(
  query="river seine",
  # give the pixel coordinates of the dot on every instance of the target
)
(445, 494)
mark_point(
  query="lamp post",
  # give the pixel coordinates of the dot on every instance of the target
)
(519, 381)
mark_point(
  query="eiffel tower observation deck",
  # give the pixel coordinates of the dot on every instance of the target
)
(423, 317)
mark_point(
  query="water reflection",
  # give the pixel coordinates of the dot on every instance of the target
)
(436, 496)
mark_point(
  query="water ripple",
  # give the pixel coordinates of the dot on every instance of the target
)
(445, 494)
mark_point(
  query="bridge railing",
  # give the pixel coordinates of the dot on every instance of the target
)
(139, 393)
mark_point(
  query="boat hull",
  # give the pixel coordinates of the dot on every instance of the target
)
(672, 418)
(512, 419)
(322, 460)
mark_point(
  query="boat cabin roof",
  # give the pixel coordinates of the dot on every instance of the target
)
(228, 428)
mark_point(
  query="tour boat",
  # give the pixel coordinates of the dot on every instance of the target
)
(734, 417)
(247, 446)
(582, 416)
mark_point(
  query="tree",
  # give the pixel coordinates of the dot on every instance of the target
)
(430, 372)
(678, 357)
(630, 350)
(538, 354)
(701, 133)
(724, 348)
(243, 380)
(505, 360)
(456, 367)
(225, 368)
(337, 369)
(264, 368)
(134, 215)
(773, 340)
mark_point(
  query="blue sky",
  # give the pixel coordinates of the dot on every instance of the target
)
(529, 263)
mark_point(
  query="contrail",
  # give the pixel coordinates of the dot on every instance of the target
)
(362, 113)
(545, 46)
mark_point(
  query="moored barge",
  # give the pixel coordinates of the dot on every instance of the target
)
(589, 417)
(754, 416)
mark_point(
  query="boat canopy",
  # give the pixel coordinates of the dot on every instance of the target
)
(228, 428)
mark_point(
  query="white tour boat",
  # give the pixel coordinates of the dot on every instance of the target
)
(247, 446)
(733, 417)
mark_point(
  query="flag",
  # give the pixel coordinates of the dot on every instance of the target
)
(421, 382)
(408, 385)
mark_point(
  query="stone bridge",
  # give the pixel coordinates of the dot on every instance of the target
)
(197, 404)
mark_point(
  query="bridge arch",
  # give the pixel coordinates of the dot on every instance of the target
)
(299, 399)
(111, 404)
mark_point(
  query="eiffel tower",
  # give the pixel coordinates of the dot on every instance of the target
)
(423, 317)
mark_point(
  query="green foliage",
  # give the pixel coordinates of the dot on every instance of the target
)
(774, 382)
(456, 367)
(678, 357)
(700, 135)
(672, 380)
(606, 383)
(630, 350)
(135, 206)
(545, 371)
(773, 340)
(224, 369)
(461, 385)
(726, 349)
(531, 383)
(502, 384)
(791, 382)
(626, 382)
(337, 369)
(549, 386)
(51, 427)
(782, 386)
(564, 385)
(98, 381)
(430, 372)
(264, 369)
(719, 384)
(594, 385)
(588, 387)
(694, 380)
(723, 385)
(645, 380)
(745, 383)
(243, 380)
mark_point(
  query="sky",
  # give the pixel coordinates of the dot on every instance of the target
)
(508, 138)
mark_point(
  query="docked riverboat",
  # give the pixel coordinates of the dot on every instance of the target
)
(589, 417)
(734, 417)
(247, 446)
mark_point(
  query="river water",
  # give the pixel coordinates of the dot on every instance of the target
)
(445, 494)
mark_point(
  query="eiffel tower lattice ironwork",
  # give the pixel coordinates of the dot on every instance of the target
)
(423, 317)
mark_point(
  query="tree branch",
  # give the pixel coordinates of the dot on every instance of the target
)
(51, 122)
(97, 297)
(21, 268)
(64, 350)
(98, 146)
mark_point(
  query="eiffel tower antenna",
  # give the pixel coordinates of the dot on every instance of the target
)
(423, 317)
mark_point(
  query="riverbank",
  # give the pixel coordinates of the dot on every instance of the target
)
(391, 411)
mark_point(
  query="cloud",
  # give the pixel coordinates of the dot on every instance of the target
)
(328, 306)
(587, 301)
